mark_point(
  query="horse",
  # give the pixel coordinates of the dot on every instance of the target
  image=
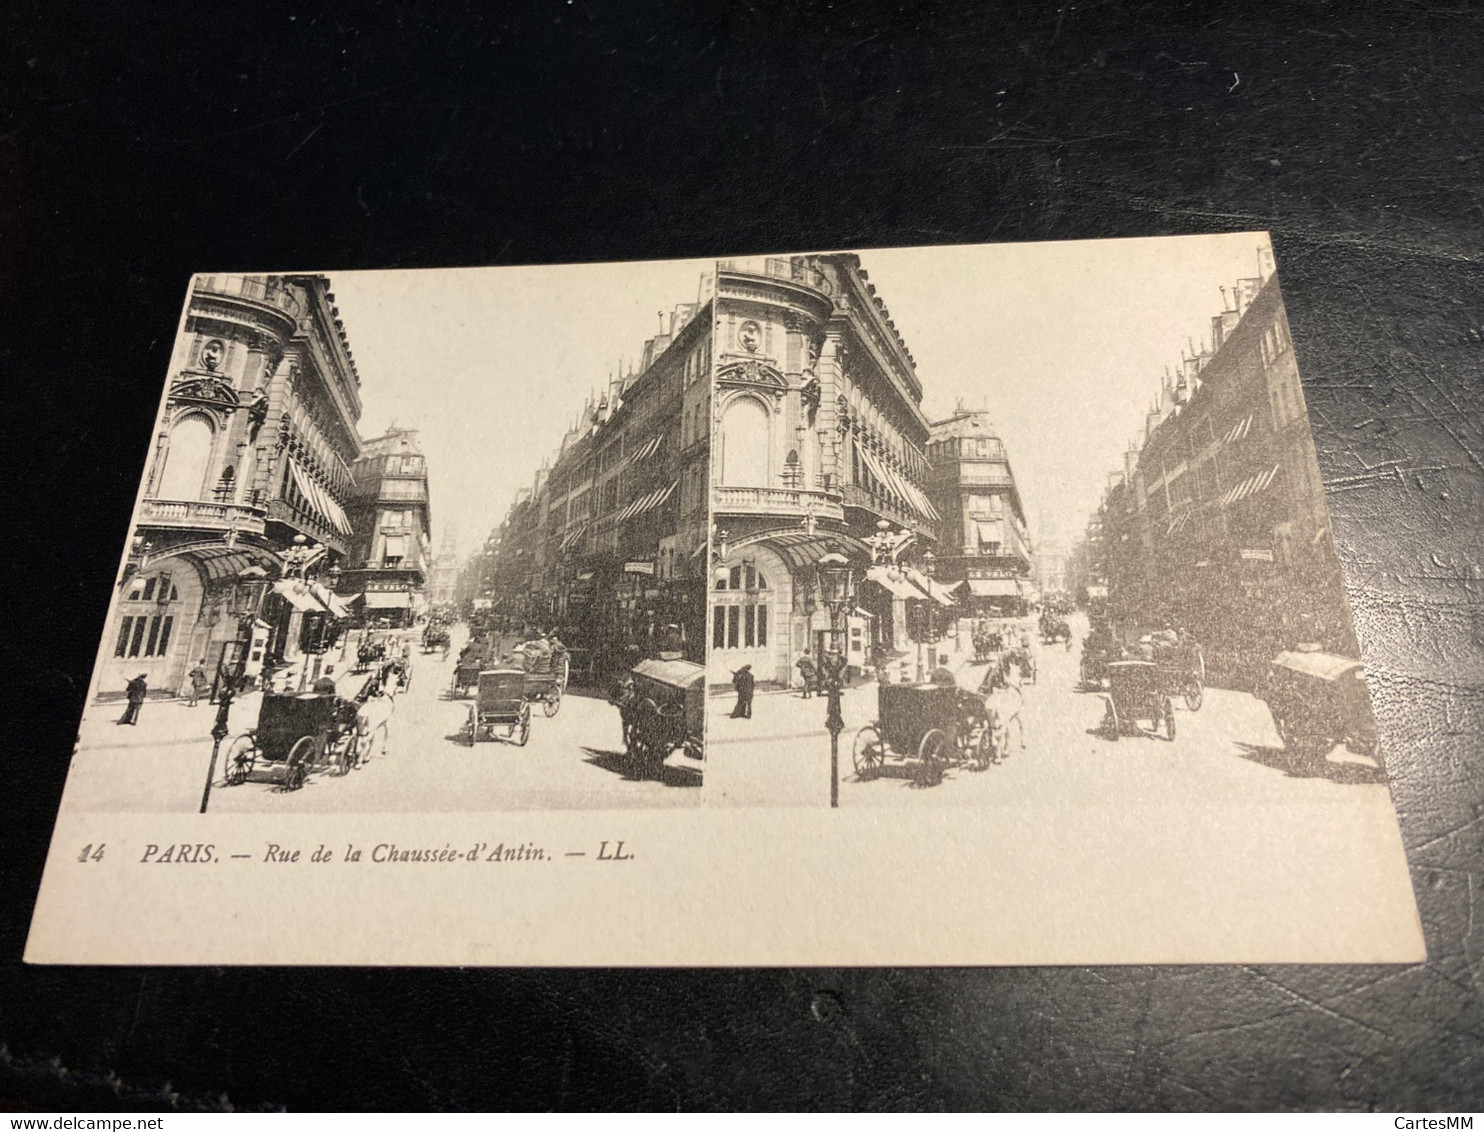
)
(1003, 702)
(625, 697)
(374, 710)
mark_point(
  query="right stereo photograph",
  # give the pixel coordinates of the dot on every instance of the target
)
(1024, 525)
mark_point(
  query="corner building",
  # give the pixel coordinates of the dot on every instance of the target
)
(819, 437)
(254, 450)
(391, 553)
(986, 551)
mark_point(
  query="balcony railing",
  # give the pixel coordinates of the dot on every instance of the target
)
(795, 269)
(258, 288)
(197, 513)
(777, 501)
(886, 508)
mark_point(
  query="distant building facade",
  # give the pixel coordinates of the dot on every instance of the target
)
(443, 575)
(985, 551)
(607, 545)
(391, 551)
(253, 452)
(1220, 524)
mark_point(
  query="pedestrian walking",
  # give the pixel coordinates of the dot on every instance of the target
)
(808, 672)
(136, 690)
(197, 683)
(744, 682)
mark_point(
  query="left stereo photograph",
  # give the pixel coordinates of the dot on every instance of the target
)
(417, 542)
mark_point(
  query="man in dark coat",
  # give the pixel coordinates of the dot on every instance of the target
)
(136, 690)
(832, 670)
(807, 672)
(744, 682)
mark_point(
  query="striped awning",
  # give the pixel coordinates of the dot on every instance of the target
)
(901, 486)
(1237, 431)
(300, 596)
(935, 590)
(647, 502)
(1178, 521)
(320, 500)
(647, 449)
(571, 537)
(1249, 487)
(891, 580)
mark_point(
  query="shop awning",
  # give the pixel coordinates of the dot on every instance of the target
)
(299, 595)
(936, 590)
(994, 587)
(572, 536)
(392, 599)
(1251, 486)
(893, 583)
(339, 606)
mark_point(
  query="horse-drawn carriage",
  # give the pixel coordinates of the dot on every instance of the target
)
(1318, 700)
(294, 735)
(499, 702)
(1055, 629)
(662, 705)
(1136, 691)
(548, 687)
(935, 725)
(437, 638)
(370, 652)
(1182, 667)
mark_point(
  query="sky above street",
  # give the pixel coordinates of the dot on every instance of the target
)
(1064, 344)
(492, 365)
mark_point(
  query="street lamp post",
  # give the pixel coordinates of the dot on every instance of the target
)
(929, 567)
(836, 586)
(252, 583)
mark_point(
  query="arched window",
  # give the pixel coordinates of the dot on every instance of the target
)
(744, 444)
(739, 613)
(148, 616)
(186, 459)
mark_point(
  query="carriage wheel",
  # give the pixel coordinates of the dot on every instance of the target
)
(984, 747)
(296, 767)
(930, 752)
(1194, 694)
(353, 749)
(524, 725)
(551, 703)
(868, 753)
(241, 756)
(1169, 710)
(1112, 726)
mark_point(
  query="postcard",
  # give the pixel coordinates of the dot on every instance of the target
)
(966, 605)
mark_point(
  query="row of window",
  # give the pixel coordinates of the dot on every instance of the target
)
(144, 636)
(981, 447)
(157, 587)
(739, 626)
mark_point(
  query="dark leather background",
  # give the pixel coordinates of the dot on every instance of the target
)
(140, 145)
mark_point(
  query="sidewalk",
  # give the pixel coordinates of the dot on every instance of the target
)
(781, 756)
